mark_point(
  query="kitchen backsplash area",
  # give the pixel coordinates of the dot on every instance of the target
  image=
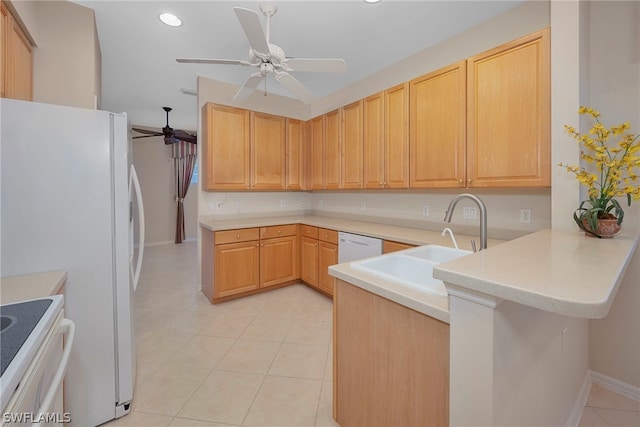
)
(506, 209)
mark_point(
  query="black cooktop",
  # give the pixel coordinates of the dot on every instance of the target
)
(17, 321)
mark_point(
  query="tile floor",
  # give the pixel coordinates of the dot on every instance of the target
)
(263, 360)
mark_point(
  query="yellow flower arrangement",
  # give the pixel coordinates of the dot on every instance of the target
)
(614, 174)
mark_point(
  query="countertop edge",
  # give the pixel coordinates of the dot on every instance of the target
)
(592, 300)
(30, 286)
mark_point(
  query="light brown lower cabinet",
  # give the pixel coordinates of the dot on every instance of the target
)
(319, 250)
(327, 256)
(242, 261)
(309, 260)
(391, 246)
(390, 365)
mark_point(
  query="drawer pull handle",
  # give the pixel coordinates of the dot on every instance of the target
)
(279, 231)
(237, 236)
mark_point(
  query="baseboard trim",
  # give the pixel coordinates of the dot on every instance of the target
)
(169, 242)
(581, 401)
(616, 385)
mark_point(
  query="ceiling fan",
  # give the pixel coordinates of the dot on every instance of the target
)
(270, 58)
(171, 136)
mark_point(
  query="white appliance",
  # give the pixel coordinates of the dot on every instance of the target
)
(36, 344)
(66, 205)
(352, 247)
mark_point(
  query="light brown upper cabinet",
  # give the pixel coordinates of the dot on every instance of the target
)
(508, 133)
(16, 59)
(386, 138)
(437, 117)
(295, 169)
(242, 150)
(332, 149)
(268, 151)
(226, 158)
(352, 161)
(325, 155)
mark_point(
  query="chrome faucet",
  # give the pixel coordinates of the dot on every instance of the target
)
(483, 215)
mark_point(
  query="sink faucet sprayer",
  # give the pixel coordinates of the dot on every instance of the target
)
(453, 238)
(483, 216)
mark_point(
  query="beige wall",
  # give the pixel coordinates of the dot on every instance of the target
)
(67, 60)
(614, 90)
(154, 165)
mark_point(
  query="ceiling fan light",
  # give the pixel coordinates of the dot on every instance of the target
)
(170, 19)
(371, 1)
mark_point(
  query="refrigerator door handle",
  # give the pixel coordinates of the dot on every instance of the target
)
(133, 181)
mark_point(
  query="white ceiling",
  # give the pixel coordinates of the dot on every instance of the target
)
(140, 74)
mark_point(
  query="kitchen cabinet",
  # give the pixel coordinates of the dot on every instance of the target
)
(309, 255)
(242, 261)
(278, 255)
(242, 150)
(332, 149)
(226, 157)
(437, 117)
(508, 133)
(352, 146)
(316, 153)
(236, 262)
(386, 138)
(16, 59)
(268, 151)
(391, 246)
(296, 154)
(327, 256)
(390, 363)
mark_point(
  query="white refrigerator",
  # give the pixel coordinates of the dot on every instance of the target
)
(67, 182)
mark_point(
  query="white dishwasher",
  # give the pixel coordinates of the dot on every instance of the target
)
(353, 247)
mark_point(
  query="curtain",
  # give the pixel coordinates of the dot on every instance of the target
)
(184, 161)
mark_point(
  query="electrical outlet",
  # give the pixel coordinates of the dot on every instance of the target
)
(525, 216)
(425, 210)
(237, 207)
(564, 340)
(283, 203)
(321, 204)
(298, 203)
(470, 213)
(363, 206)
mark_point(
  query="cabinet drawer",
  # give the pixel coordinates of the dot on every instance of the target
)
(327, 235)
(278, 231)
(309, 231)
(234, 236)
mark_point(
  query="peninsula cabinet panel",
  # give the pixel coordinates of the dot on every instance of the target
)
(508, 138)
(373, 141)
(296, 155)
(437, 128)
(316, 158)
(332, 149)
(226, 158)
(391, 364)
(396, 136)
(268, 151)
(352, 149)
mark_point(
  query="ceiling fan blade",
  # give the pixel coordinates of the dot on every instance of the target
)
(328, 65)
(248, 87)
(184, 136)
(144, 136)
(250, 22)
(147, 132)
(295, 87)
(212, 61)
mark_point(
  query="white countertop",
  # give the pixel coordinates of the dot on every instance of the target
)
(562, 272)
(31, 286)
(409, 235)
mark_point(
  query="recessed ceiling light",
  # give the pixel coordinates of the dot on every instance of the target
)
(371, 1)
(170, 19)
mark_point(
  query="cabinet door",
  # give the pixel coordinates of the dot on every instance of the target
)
(373, 141)
(352, 160)
(278, 260)
(309, 261)
(296, 137)
(509, 115)
(236, 268)
(396, 137)
(437, 128)
(226, 146)
(316, 158)
(18, 60)
(332, 149)
(4, 23)
(327, 255)
(268, 151)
